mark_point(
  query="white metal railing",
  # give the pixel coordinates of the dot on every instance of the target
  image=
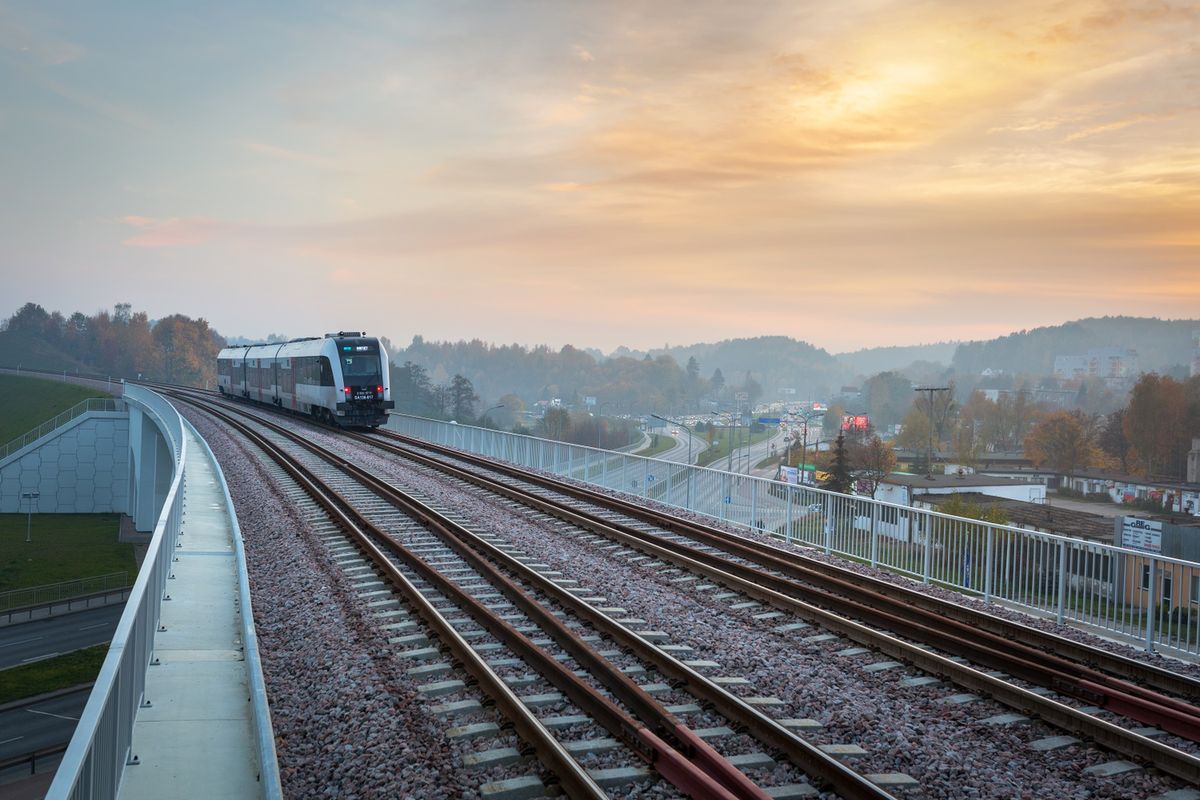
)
(49, 426)
(1152, 598)
(100, 748)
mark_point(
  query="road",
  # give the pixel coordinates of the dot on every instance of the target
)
(45, 724)
(33, 641)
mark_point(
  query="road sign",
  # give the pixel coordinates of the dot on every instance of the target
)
(768, 420)
(649, 477)
(728, 499)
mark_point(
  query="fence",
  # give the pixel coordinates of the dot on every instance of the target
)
(98, 752)
(1149, 597)
(54, 592)
(77, 410)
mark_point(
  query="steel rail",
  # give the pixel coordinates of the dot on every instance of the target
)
(799, 566)
(574, 778)
(699, 772)
(479, 553)
(1116, 738)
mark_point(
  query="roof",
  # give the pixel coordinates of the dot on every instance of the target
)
(1080, 524)
(948, 481)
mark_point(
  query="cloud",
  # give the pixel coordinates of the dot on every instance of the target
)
(582, 54)
(172, 231)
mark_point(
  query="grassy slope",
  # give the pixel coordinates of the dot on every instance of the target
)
(26, 403)
(59, 672)
(22, 349)
(64, 547)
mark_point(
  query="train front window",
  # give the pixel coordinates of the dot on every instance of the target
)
(361, 369)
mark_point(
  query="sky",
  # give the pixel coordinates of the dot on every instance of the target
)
(853, 174)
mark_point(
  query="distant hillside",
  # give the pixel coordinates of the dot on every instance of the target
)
(774, 361)
(873, 360)
(23, 349)
(1160, 344)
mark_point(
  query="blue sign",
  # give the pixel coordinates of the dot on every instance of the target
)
(728, 499)
(768, 420)
(649, 477)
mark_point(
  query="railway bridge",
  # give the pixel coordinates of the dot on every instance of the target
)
(462, 611)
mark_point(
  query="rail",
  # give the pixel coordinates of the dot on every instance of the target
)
(91, 404)
(1147, 597)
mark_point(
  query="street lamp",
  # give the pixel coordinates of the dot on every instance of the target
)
(689, 456)
(483, 416)
(32, 498)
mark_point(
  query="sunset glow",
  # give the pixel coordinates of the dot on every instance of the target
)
(852, 174)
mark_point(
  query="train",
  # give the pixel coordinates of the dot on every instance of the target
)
(340, 378)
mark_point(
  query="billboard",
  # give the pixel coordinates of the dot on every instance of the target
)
(855, 422)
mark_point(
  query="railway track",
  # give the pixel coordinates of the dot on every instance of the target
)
(631, 713)
(814, 591)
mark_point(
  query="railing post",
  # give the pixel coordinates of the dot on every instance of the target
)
(789, 492)
(829, 504)
(1062, 582)
(1151, 606)
(874, 533)
(927, 535)
(754, 506)
(987, 565)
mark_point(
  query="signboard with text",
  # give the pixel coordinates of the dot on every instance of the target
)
(1141, 534)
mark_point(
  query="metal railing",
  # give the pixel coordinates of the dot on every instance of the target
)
(1148, 597)
(54, 592)
(100, 747)
(78, 410)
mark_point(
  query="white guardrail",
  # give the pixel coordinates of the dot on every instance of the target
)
(99, 751)
(1151, 598)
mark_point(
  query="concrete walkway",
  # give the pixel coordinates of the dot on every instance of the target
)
(197, 737)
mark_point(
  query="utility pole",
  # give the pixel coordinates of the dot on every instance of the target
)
(32, 498)
(929, 452)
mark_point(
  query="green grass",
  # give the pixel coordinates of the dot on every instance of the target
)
(713, 454)
(64, 547)
(59, 672)
(21, 349)
(659, 443)
(26, 403)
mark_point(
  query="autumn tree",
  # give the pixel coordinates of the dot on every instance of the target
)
(556, 424)
(188, 346)
(1112, 439)
(1155, 423)
(1063, 442)
(872, 461)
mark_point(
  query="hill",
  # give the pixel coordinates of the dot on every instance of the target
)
(26, 403)
(1160, 345)
(873, 360)
(23, 349)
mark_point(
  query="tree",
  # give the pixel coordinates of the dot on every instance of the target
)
(873, 461)
(1155, 421)
(888, 396)
(914, 431)
(1063, 442)
(188, 347)
(30, 318)
(840, 479)
(1112, 439)
(717, 382)
(556, 423)
(462, 398)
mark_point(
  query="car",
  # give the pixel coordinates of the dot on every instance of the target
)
(675, 432)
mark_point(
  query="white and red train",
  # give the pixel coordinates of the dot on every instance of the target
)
(341, 378)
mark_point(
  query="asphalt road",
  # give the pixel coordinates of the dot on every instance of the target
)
(46, 724)
(31, 641)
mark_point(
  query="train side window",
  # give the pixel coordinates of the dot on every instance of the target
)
(326, 372)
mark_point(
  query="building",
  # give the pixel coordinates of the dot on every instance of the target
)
(916, 490)
(1193, 462)
(1180, 498)
(1109, 363)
